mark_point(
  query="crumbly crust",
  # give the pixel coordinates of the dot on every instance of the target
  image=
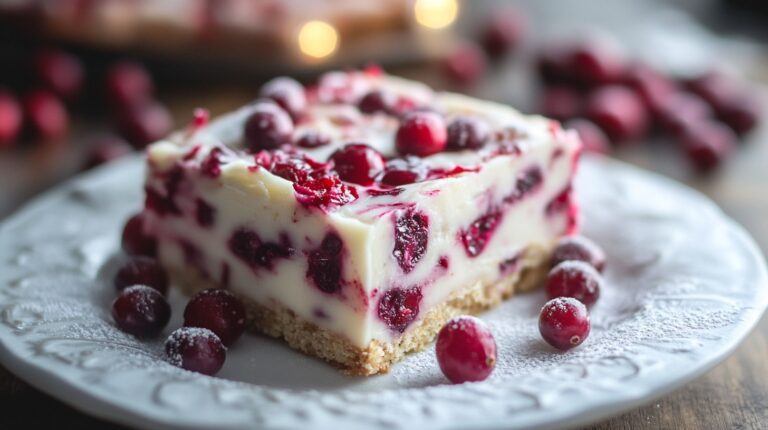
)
(277, 321)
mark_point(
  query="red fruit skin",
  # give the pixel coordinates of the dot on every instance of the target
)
(135, 241)
(268, 127)
(707, 144)
(553, 64)
(358, 163)
(196, 349)
(596, 62)
(142, 271)
(141, 311)
(592, 137)
(652, 86)
(564, 323)
(144, 123)
(579, 248)
(10, 118)
(561, 103)
(732, 100)
(287, 93)
(575, 279)
(466, 64)
(466, 350)
(46, 115)
(467, 133)
(219, 311)
(678, 111)
(504, 32)
(422, 133)
(128, 84)
(618, 111)
(60, 72)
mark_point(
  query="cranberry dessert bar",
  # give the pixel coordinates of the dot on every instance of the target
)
(356, 216)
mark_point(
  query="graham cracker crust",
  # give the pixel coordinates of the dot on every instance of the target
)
(277, 321)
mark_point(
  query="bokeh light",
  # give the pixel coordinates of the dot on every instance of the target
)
(318, 39)
(436, 13)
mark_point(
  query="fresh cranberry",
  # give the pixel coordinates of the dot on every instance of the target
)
(553, 64)
(400, 171)
(503, 32)
(46, 115)
(142, 271)
(141, 311)
(60, 72)
(268, 127)
(592, 137)
(204, 213)
(466, 64)
(219, 311)
(575, 279)
(652, 86)
(144, 123)
(248, 246)
(679, 110)
(579, 248)
(564, 323)
(135, 241)
(618, 111)
(741, 112)
(10, 118)
(312, 139)
(422, 133)
(466, 350)
(358, 163)
(467, 132)
(377, 101)
(325, 264)
(707, 144)
(479, 233)
(128, 84)
(560, 103)
(196, 349)
(411, 238)
(288, 93)
(106, 149)
(596, 62)
(399, 307)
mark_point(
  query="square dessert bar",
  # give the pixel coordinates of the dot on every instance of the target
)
(356, 216)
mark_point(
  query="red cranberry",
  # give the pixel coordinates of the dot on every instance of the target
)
(579, 248)
(377, 101)
(106, 149)
(564, 323)
(312, 139)
(422, 133)
(288, 93)
(399, 172)
(248, 246)
(596, 62)
(399, 307)
(560, 103)
(467, 133)
(142, 271)
(141, 311)
(503, 32)
(144, 123)
(324, 192)
(479, 233)
(10, 118)
(219, 311)
(46, 114)
(554, 64)
(707, 144)
(677, 111)
(592, 137)
(325, 264)
(741, 112)
(575, 279)
(128, 84)
(196, 349)
(466, 350)
(465, 65)
(618, 111)
(268, 127)
(60, 72)
(652, 86)
(135, 240)
(411, 238)
(358, 163)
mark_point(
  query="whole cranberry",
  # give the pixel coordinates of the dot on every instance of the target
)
(579, 248)
(741, 112)
(678, 110)
(141, 311)
(128, 84)
(60, 72)
(46, 115)
(268, 127)
(553, 64)
(618, 111)
(142, 271)
(466, 350)
(561, 103)
(575, 279)
(377, 101)
(358, 163)
(10, 118)
(312, 139)
(421, 133)
(465, 65)
(145, 122)
(196, 349)
(106, 149)
(707, 143)
(135, 241)
(596, 62)
(592, 137)
(503, 32)
(564, 323)
(288, 93)
(219, 311)
(467, 132)
(400, 171)
(652, 86)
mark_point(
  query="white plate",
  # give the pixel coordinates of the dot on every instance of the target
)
(686, 285)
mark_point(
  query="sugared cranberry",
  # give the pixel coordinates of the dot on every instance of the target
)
(60, 72)
(575, 279)
(421, 133)
(142, 271)
(399, 307)
(596, 62)
(592, 137)
(219, 311)
(560, 103)
(479, 233)
(618, 111)
(46, 115)
(141, 311)
(325, 264)
(652, 86)
(679, 110)
(466, 64)
(196, 349)
(707, 144)
(399, 172)
(268, 127)
(128, 84)
(135, 241)
(579, 248)
(503, 32)
(411, 238)
(288, 93)
(466, 350)
(312, 139)
(248, 246)
(467, 133)
(564, 323)
(144, 123)
(10, 118)
(358, 163)
(106, 149)
(377, 101)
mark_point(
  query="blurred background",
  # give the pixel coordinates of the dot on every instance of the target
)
(677, 87)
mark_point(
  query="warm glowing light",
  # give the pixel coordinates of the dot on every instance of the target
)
(318, 39)
(436, 13)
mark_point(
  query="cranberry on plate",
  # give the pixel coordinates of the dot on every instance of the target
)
(503, 32)
(421, 133)
(135, 241)
(618, 111)
(579, 248)
(142, 271)
(465, 65)
(596, 62)
(707, 144)
(560, 103)
(466, 350)
(218, 311)
(128, 84)
(196, 349)
(10, 118)
(358, 163)
(592, 137)
(575, 279)
(141, 311)
(564, 323)
(46, 115)
(60, 72)
(145, 122)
